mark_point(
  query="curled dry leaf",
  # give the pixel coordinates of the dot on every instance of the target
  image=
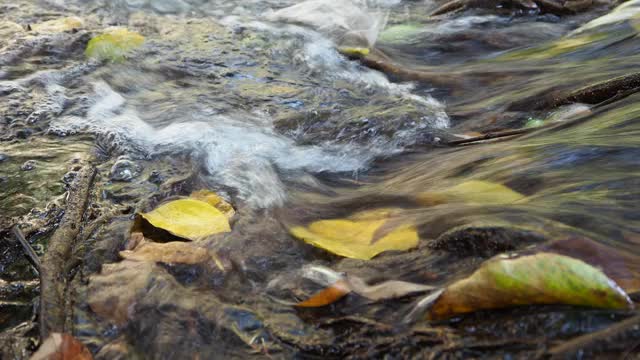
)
(362, 236)
(189, 219)
(328, 295)
(346, 284)
(172, 252)
(62, 347)
(542, 278)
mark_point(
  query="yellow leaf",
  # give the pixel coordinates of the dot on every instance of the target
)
(356, 237)
(113, 44)
(214, 200)
(188, 218)
(473, 191)
(58, 25)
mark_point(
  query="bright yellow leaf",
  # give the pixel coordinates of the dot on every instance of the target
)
(188, 218)
(362, 236)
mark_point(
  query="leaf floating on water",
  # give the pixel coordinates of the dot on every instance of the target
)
(473, 191)
(113, 45)
(189, 219)
(358, 237)
(62, 347)
(327, 296)
(214, 200)
(542, 278)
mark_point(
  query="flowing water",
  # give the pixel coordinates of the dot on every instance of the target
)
(253, 99)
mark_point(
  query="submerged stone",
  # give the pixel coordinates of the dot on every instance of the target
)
(125, 169)
(28, 165)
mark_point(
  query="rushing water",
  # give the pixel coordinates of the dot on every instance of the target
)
(253, 99)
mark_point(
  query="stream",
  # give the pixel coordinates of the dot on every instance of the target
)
(266, 103)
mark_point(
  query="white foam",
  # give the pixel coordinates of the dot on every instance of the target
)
(238, 153)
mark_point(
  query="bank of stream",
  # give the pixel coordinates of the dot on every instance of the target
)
(482, 129)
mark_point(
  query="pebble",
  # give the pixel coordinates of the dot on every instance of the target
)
(3, 157)
(124, 169)
(28, 165)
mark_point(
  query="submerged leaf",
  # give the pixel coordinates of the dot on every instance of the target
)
(327, 296)
(113, 45)
(214, 200)
(189, 219)
(359, 237)
(62, 347)
(473, 191)
(171, 252)
(354, 52)
(542, 278)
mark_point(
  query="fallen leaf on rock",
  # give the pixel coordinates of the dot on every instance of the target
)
(114, 44)
(58, 25)
(214, 200)
(175, 252)
(473, 191)
(61, 347)
(358, 237)
(189, 219)
(328, 295)
(621, 267)
(543, 278)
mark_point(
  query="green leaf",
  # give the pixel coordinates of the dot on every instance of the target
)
(113, 45)
(189, 219)
(543, 278)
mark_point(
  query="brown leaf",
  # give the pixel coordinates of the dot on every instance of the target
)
(62, 347)
(171, 252)
(328, 295)
(386, 290)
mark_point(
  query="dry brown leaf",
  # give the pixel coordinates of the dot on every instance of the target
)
(62, 347)
(171, 252)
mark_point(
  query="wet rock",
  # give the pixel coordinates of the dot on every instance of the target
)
(485, 240)
(28, 165)
(156, 177)
(124, 169)
(68, 178)
(3, 157)
(169, 6)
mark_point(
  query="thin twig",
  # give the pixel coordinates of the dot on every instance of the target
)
(584, 341)
(31, 254)
(493, 135)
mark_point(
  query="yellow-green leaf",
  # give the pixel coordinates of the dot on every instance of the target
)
(361, 236)
(113, 45)
(357, 52)
(188, 218)
(543, 278)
